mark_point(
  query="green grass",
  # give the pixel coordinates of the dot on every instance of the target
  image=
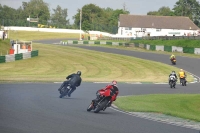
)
(37, 35)
(179, 105)
(4, 47)
(55, 62)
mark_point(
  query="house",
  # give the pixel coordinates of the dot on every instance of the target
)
(148, 25)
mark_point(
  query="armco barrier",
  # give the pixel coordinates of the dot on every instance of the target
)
(18, 56)
(137, 45)
(148, 47)
(126, 44)
(153, 47)
(15, 57)
(2, 59)
(177, 49)
(197, 50)
(96, 42)
(27, 55)
(34, 53)
(188, 50)
(102, 42)
(159, 48)
(115, 43)
(168, 48)
(10, 58)
(75, 42)
(108, 43)
(91, 42)
(85, 42)
(120, 44)
(145, 46)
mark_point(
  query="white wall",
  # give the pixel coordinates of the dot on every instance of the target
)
(54, 30)
(137, 32)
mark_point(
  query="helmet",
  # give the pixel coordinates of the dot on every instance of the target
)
(173, 72)
(79, 73)
(114, 82)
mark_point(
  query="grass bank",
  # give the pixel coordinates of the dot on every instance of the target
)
(179, 105)
(4, 47)
(37, 35)
(55, 62)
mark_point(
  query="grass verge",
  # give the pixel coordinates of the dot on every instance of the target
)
(4, 46)
(55, 62)
(37, 35)
(179, 105)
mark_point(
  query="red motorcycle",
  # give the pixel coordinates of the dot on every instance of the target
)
(104, 99)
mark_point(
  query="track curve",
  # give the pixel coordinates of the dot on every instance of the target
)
(31, 108)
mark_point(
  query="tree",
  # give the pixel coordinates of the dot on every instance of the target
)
(7, 15)
(59, 17)
(91, 14)
(96, 18)
(189, 8)
(36, 9)
(163, 11)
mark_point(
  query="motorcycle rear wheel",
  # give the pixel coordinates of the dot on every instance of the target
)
(64, 93)
(100, 106)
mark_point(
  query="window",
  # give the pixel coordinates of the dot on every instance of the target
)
(158, 30)
(143, 29)
(128, 28)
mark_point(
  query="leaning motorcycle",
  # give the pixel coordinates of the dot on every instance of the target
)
(173, 61)
(64, 90)
(103, 100)
(172, 81)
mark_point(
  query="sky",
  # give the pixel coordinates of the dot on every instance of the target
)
(136, 7)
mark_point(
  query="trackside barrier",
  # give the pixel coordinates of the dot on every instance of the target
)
(145, 46)
(34, 53)
(159, 48)
(2, 59)
(15, 57)
(27, 55)
(197, 50)
(168, 48)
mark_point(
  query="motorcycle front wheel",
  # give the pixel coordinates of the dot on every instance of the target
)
(90, 107)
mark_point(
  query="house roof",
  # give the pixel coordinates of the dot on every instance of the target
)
(159, 22)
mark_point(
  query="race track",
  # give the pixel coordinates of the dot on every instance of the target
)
(37, 108)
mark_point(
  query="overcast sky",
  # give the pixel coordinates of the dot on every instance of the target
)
(137, 7)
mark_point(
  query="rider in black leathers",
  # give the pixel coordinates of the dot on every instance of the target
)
(173, 74)
(74, 80)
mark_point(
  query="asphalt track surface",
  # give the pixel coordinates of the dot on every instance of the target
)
(37, 108)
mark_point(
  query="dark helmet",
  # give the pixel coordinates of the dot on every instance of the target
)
(114, 82)
(79, 73)
(173, 72)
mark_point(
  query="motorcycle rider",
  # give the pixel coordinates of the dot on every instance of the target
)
(74, 80)
(115, 91)
(182, 75)
(172, 57)
(173, 73)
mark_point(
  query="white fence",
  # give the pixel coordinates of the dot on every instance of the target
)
(55, 30)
